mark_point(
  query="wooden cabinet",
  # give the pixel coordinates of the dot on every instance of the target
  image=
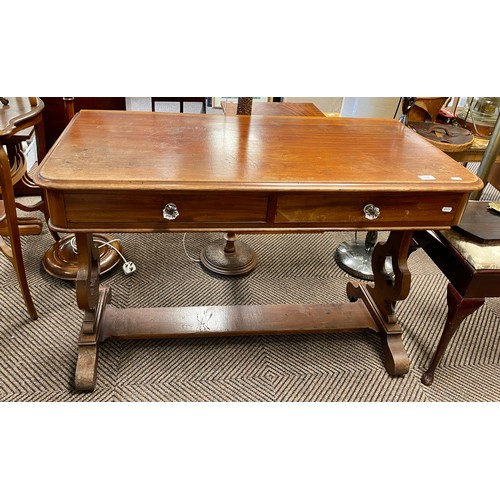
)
(55, 112)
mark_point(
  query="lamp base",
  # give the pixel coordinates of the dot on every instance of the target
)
(240, 260)
(61, 260)
(354, 258)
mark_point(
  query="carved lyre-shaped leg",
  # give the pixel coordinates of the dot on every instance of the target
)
(92, 299)
(381, 298)
(458, 309)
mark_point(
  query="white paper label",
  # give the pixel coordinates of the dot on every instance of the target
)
(427, 177)
(446, 209)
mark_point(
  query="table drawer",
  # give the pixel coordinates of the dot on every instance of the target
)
(140, 208)
(347, 209)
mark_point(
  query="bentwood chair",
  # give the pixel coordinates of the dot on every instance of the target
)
(14, 227)
(16, 114)
(468, 255)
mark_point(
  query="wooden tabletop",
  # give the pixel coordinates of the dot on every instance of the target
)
(125, 150)
(17, 113)
(276, 108)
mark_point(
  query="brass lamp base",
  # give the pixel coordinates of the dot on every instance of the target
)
(61, 259)
(228, 256)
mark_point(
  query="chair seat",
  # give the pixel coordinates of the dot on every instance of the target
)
(479, 255)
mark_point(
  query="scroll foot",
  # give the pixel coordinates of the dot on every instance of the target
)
(396, 360)
(86, 368)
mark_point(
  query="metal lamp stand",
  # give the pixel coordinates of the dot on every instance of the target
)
(355, 257)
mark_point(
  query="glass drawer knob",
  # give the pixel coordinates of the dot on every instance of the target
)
(170, 211)
(371, 211)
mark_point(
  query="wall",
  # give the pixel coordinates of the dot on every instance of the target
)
(371, 107)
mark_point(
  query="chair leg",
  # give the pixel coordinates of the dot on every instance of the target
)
(16, 256)
(458, 309)
(18, 263)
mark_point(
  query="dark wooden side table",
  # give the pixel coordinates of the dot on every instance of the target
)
(254, 174)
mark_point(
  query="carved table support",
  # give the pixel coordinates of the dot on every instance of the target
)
(381, 299)
(374, 312)
(92, 299)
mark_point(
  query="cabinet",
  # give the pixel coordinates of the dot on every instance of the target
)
(55, 112)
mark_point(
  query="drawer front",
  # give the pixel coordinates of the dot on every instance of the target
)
(136, 209)
(348, 209)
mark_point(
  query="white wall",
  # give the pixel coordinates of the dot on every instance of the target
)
(370, 107)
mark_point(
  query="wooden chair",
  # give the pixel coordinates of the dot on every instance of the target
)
(181, 101)
(16, 115)
(14, 227)
(469, 256)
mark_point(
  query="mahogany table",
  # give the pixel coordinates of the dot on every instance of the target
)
(276, 108)
(121, 171)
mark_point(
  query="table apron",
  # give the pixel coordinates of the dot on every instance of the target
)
(143, 211)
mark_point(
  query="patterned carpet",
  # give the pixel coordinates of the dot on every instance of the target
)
(37, 358)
